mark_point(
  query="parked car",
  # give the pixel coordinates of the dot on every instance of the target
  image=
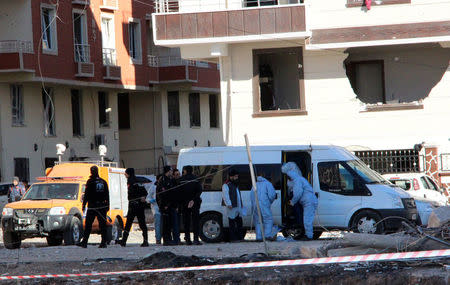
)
(420, 186)
(423, 189)
(4, 188)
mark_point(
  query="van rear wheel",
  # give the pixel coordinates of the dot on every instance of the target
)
(367, 222)
(211, 229)
(11, 240)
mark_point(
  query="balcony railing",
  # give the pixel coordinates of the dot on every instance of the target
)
(164, 61)
(16, 46)
(171, 6)
(82, 53)
(109, 56)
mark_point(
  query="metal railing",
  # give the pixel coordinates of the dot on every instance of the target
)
(109, 56)
(171, 6)
(96, 162)
(82, 53)
(392, 161)
(16, 46)
(164, 61)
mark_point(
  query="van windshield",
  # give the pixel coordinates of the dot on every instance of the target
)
(66, 191)
(367, 174)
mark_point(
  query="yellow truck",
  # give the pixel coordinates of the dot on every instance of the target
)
(51, 208)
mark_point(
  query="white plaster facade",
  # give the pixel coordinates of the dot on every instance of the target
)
(18, 142)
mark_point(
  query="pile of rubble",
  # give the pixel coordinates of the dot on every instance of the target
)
(412, 238)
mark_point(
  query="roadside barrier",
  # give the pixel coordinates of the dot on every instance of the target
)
(413, 255)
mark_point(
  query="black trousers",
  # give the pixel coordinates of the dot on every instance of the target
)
(235, 228)
(91, 214)
(133, 212)
(191, 216)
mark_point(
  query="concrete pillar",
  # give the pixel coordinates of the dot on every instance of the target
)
(432, 162)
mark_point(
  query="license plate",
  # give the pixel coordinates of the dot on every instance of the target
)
(24, 221)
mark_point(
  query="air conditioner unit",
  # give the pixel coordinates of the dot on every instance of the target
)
(113, 72)
(85, 69)
(99, 140)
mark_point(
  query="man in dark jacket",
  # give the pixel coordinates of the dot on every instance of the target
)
(191, 191)
(136, 207)
(168, 200)
(96, 197)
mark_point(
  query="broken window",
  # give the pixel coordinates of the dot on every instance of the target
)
(123, 102)
(21, 168)
(279, 77)
(213, 111)
(49, 111)
(77, 113)
(398, 76)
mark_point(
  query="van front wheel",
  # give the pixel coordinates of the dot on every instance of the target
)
(211, 229)
(367, 222)
(11, 240)
(73, 234)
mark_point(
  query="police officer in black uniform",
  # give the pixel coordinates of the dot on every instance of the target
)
(136, 207)
(96, 197)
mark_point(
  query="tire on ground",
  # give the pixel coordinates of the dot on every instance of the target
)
(72, 235)
(54, 239)
(11, 240)
(367, 221)
(211, 228)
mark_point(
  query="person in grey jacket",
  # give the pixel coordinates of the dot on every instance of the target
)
(235, 210)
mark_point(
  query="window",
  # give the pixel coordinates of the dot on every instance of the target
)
(367, 79)
(108, 41)
(77, 113)
(213, 111)
(103, 109)
(50, 162)
(173, 108)
(81, 46)
(256, 3)
(212, 177)
(21, 168)
(342, 178)
(278, 81)
(135, 48)
(432, 184)
(48, 25)
(123, 102)
(194, 109)
(17, 105)
(49, 111)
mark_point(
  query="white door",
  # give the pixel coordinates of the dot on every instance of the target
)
(124, 194)
(114, 191)
(338, 193)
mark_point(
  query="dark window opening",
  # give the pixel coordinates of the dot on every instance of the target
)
(258, 3)
(50, 162)
(278, 77)
(49, 111)
(77, 113)
(213, 111)
(123, 103)
(173, 108)
(103, 109)
(194, 110)
(367, 79)
(17, 110)
(21, 168)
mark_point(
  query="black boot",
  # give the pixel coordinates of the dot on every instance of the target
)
(123, 242)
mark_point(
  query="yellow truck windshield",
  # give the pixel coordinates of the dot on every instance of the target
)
(48, 191)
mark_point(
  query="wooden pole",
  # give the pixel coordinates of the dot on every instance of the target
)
(252, 173)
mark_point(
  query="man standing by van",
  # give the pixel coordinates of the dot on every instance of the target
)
(168, 203)
(136, 207)
(96, 197)
(191, 192)
(232, 198)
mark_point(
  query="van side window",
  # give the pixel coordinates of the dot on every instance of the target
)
(338, 178)
(212, 177)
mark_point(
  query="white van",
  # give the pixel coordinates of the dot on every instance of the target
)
(351, 195)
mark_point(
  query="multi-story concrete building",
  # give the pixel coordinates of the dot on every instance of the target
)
(84, 73)
(372, 76)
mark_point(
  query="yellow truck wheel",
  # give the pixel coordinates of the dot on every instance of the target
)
(11, 240)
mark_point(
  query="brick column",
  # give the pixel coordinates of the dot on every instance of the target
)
(432, 163)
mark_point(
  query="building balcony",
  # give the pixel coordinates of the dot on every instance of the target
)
(174, 69)
(16, 56)
(182, 22)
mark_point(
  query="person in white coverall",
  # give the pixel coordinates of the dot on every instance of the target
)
(266, 196)
(302, 193)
